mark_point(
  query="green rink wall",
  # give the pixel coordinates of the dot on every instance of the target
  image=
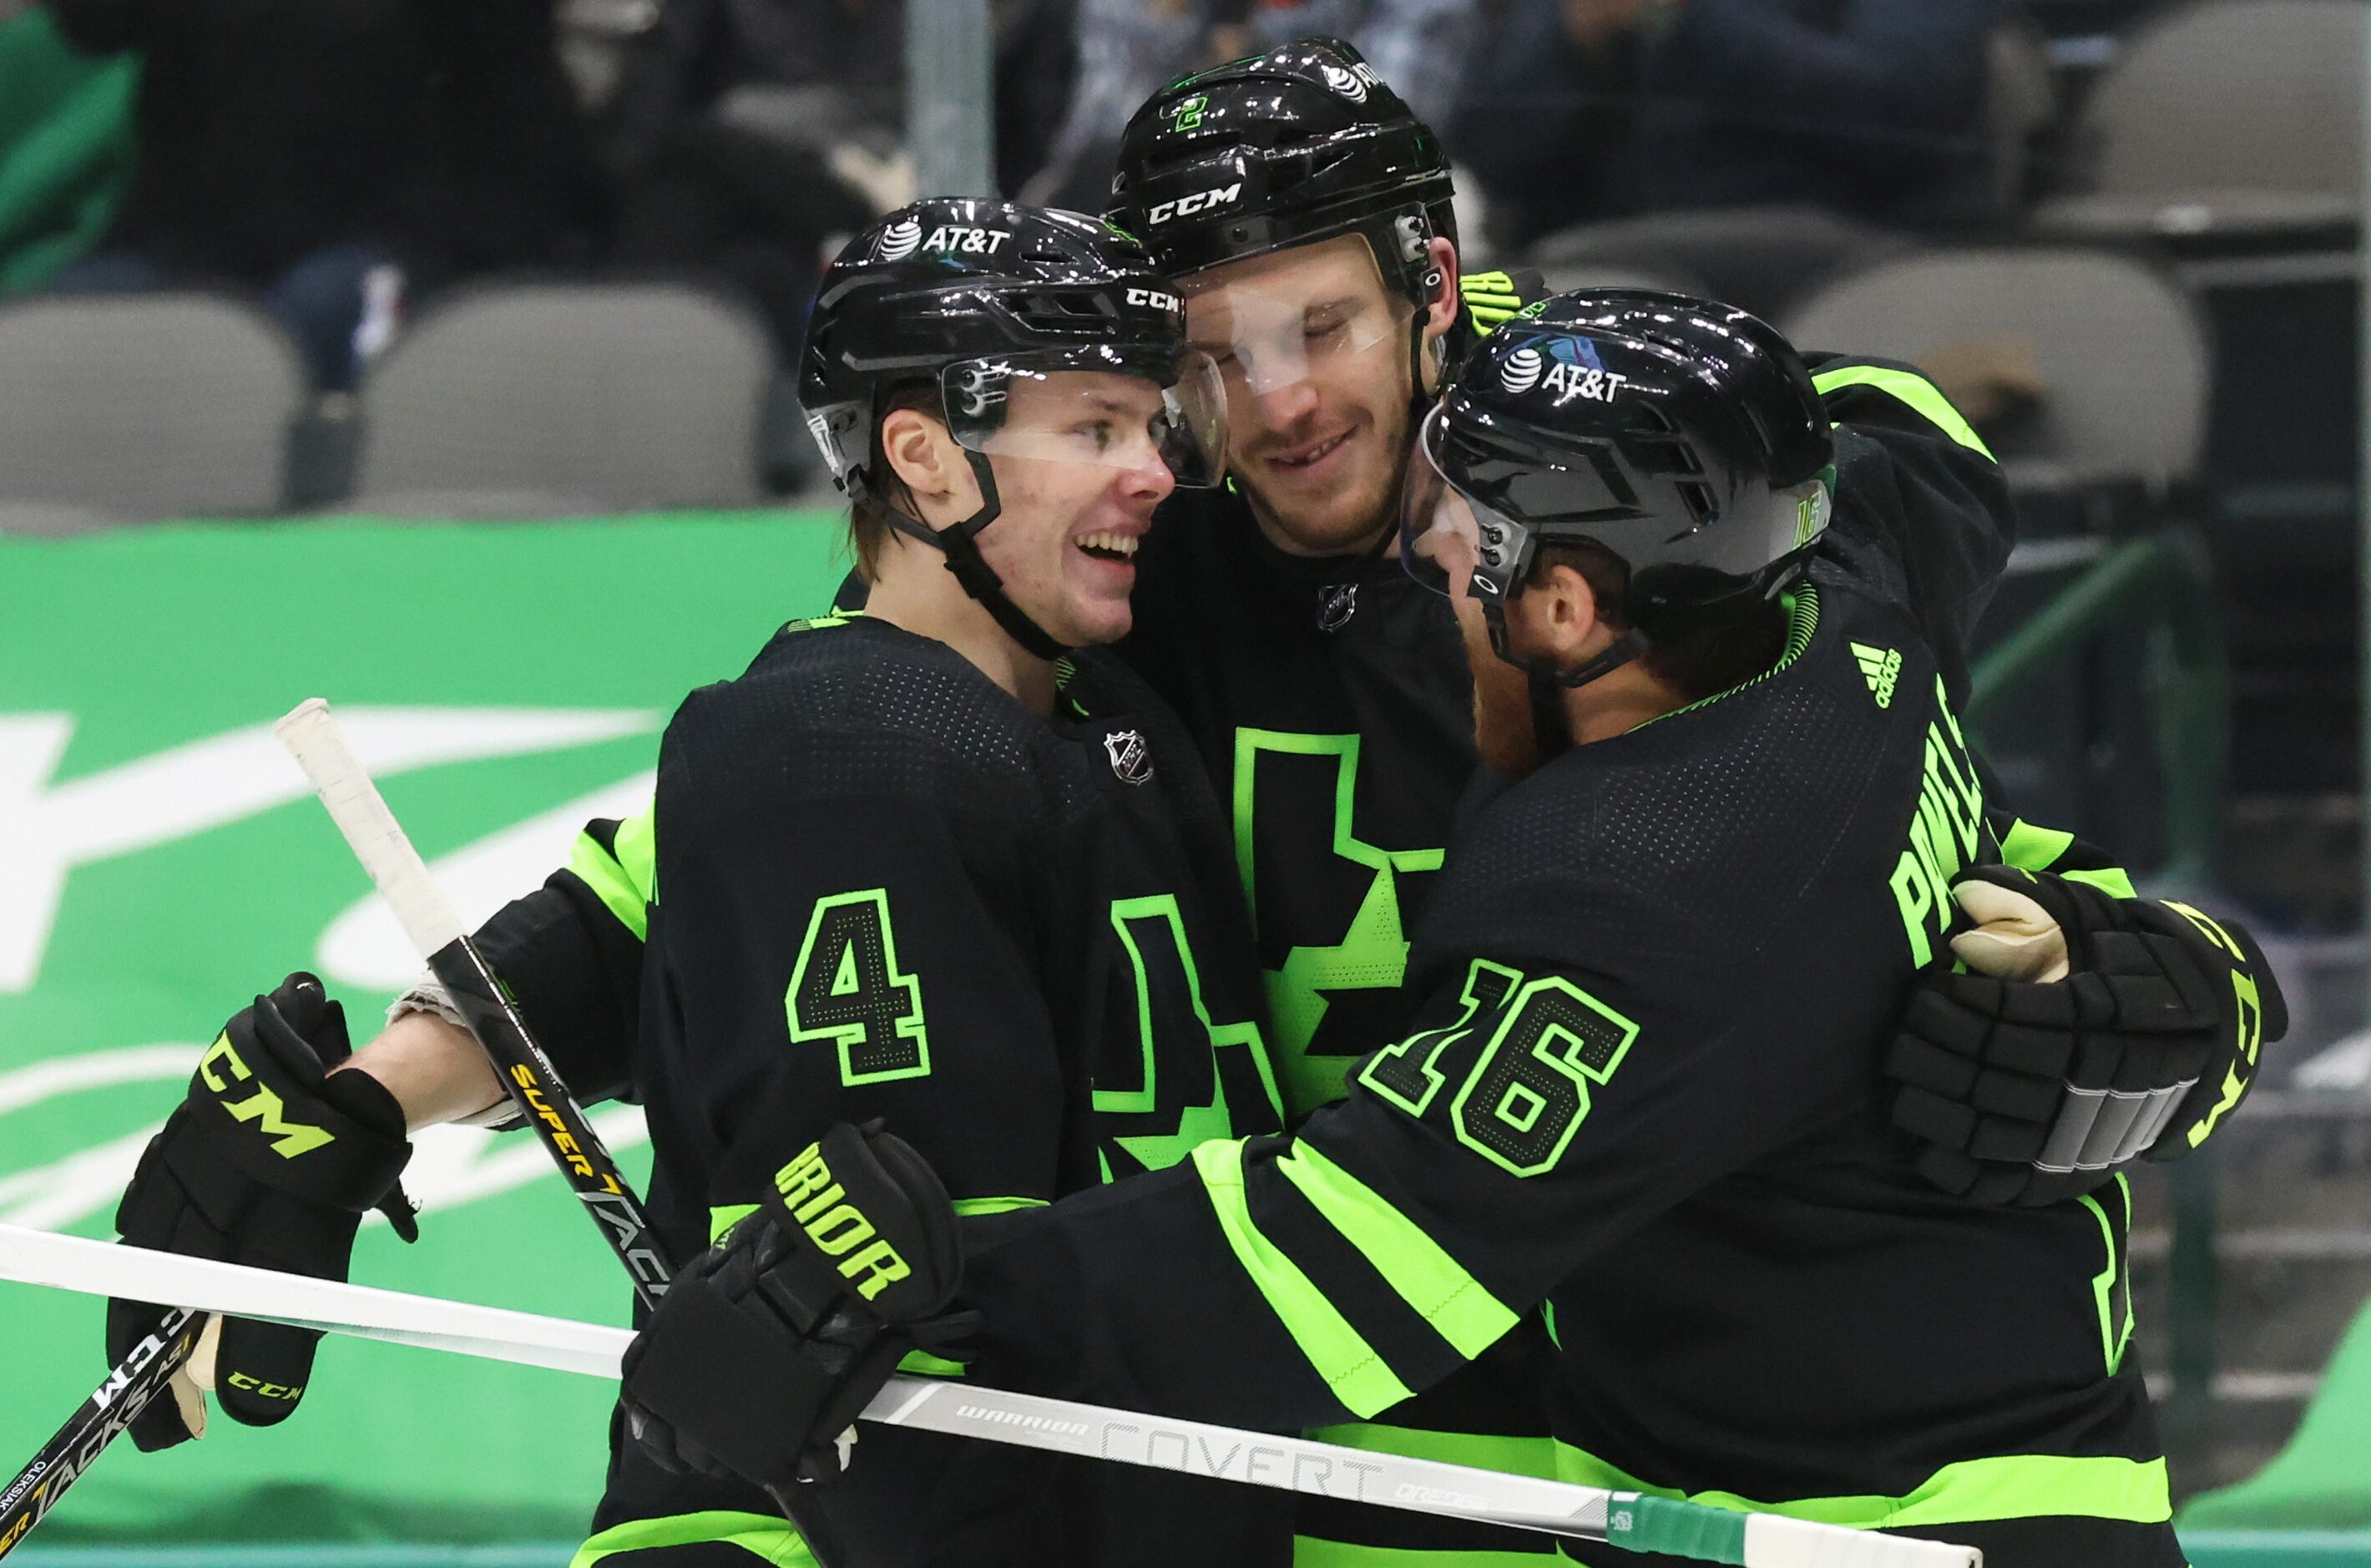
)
(166, 863)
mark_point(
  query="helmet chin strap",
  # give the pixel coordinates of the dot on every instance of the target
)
(960, 544)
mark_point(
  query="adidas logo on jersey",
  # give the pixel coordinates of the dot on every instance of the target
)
(1881, 668)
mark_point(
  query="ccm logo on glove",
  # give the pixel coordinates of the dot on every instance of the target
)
(289, 1138)
(819, 1203)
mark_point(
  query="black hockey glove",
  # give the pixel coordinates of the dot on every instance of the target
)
(761, 1353)
(2092, 1030)
(270, 1161)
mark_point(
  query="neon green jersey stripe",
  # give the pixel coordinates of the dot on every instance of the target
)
(638, 851)
(2112, 882)
(1428, 1278)
(1534, 1456)
(1915, 390)
(725, 1216)
(996, 1205)
(621, 881)
(2012, 1486)
(2034, 848)
(1358, 1377)
(765, 1537)
(1308, 1551)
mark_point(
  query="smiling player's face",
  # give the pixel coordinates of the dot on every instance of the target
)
(1314, 351)
(1079, 473)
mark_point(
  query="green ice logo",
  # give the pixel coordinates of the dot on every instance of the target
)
(206, 855)
(1186, 115)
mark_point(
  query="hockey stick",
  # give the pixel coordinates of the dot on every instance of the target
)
(131, 1387)
(428, 917)
(1321, 1469)
(434, 927)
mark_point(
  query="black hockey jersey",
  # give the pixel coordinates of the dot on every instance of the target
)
(1642, 1090)
(880, 887)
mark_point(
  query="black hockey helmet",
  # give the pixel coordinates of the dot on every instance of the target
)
(1682, 437)
(1285, 148)
(980, 299)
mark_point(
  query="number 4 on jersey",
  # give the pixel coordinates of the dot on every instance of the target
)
(847, 988)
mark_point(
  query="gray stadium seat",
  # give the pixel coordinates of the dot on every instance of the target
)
(2231, 113)
(1759, 259)
(118, 407)
(2121, 350)
(611, 397)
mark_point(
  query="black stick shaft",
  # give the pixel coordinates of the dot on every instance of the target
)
(134, 1384)
(558, 1119)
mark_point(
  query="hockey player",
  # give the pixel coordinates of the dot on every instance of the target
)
(1324, 692)
(1658, 977)
(929, 864)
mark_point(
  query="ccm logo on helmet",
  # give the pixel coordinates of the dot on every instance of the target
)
(1200, 201)
(1157, 299)
(820, 1204)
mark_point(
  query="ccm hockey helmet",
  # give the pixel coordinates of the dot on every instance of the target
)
(1682, 437)
(1285, 148)
(998, 308)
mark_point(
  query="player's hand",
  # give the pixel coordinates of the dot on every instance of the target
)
(2089, 1030)
(271, 1161)
(761, 1353)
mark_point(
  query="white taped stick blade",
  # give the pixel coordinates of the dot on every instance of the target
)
(1775, 1541)
(312, 736)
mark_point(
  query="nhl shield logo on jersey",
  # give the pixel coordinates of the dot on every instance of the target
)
(1337, 602)
(1131, 759)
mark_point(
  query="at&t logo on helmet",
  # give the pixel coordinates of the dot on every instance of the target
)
(1569, 368)
(902, 239)
(1353, 82)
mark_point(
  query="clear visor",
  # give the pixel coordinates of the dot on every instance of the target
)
(1449, 541)
(1112, 408)
(1302, 315)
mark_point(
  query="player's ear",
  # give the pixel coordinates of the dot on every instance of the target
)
(922, 455)
(1562, 611)
(1441, 314)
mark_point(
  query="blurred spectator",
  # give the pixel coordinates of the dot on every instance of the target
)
(331, 157)
(745, 133)
(65, 147)
(1126, 50)
(1578, 110)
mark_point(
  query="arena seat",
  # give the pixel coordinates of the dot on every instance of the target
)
(2121, 350)
(613, 396)
(2231, 114)
(124, 407)
(1759, 259)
